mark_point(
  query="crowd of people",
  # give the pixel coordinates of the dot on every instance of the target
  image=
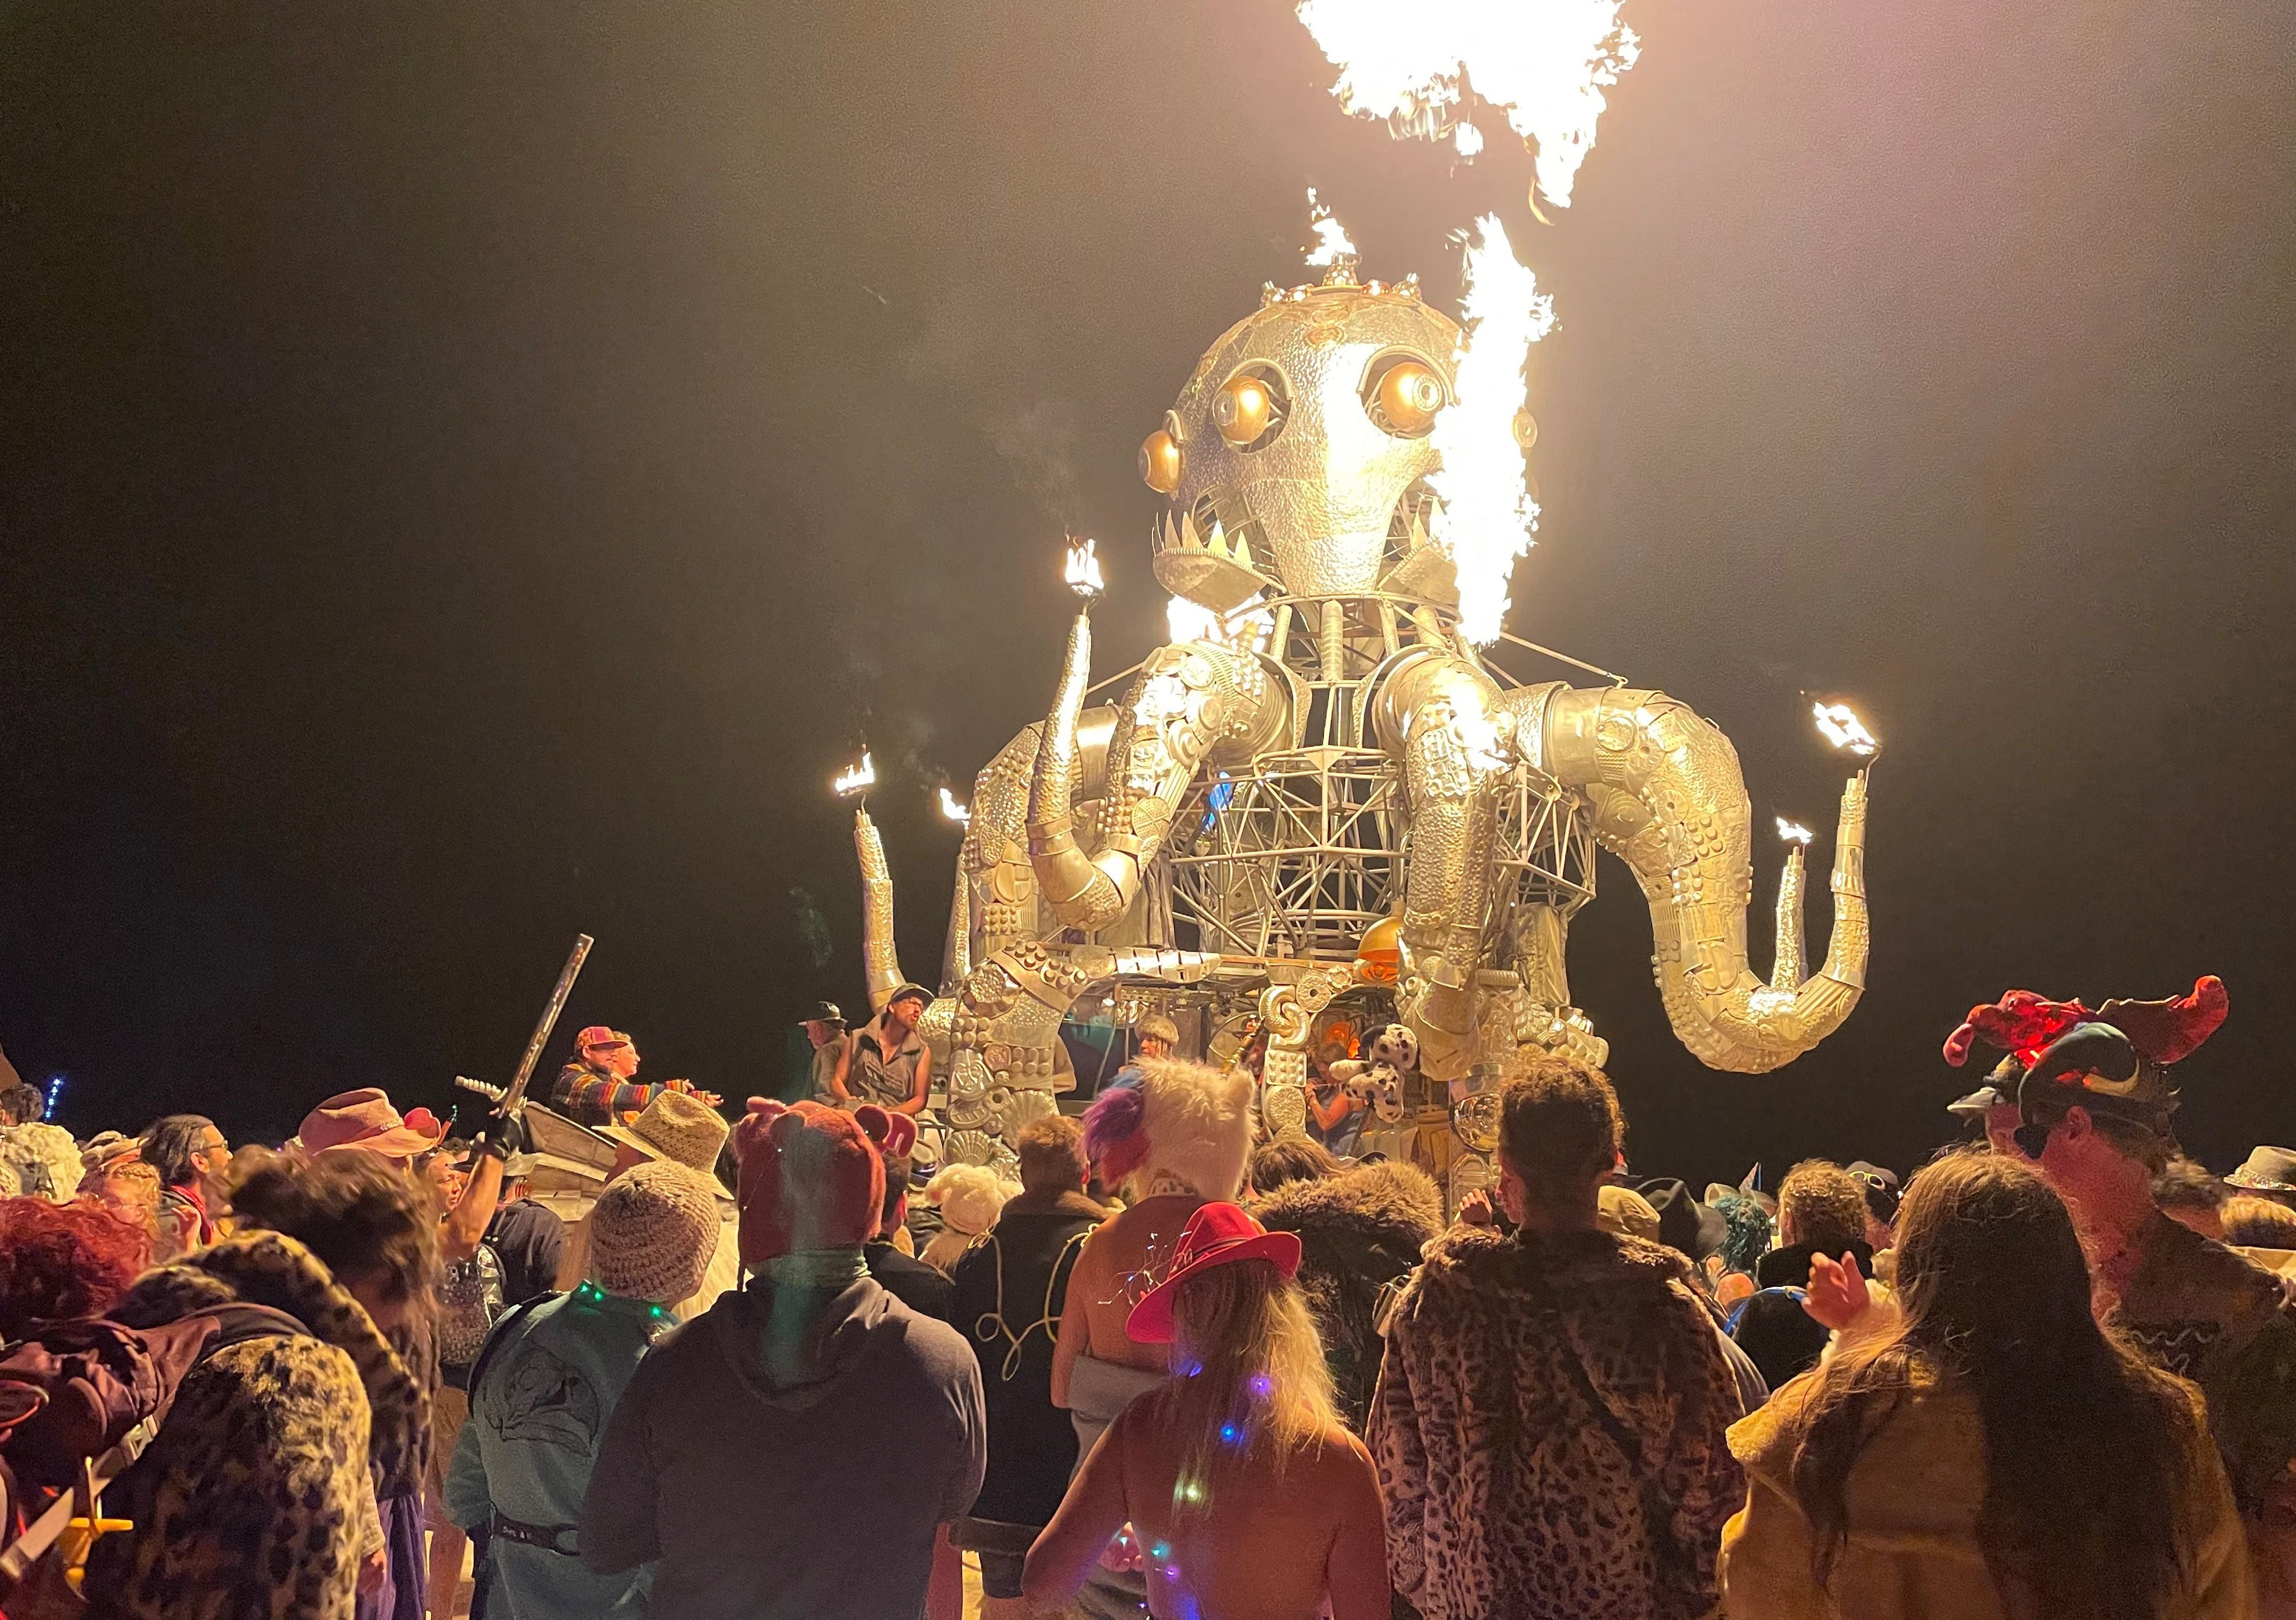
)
(1177, 1367)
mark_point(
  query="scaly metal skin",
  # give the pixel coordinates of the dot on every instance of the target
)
(1256, 802)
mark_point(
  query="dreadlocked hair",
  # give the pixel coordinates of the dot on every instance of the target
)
(1250, 1376)
(2086, 1514)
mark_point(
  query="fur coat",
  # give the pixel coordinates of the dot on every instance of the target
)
(1360, 1234)
(252, 1502)
(1552, 1432)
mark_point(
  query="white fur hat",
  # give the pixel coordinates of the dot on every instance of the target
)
(969, 1197)
(1184, 1125)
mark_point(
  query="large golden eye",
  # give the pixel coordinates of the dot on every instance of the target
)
(1244, 409)
(1408, 396)
(1161, 461)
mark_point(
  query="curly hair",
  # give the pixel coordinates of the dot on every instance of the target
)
(22, 1103)
(1746, 1232)
(1559, 1129)
(1822, 1206)
(63, 1260)
(364, 1217)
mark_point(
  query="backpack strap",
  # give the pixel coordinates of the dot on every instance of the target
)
(500, 1331)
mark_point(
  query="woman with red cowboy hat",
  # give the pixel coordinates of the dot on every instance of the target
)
(1245, 1493)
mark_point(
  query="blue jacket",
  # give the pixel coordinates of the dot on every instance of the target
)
(551, 1378)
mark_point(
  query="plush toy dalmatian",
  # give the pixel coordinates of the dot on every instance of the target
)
(1378, 1079)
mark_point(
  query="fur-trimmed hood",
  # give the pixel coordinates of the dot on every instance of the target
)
(268, 1268)
(1575, 1264)
(1388, 1203)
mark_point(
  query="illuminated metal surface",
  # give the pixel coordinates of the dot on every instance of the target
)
(1325, 757)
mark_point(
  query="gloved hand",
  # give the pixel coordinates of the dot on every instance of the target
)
(502, 1136)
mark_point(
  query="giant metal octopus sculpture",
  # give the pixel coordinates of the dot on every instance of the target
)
(1330, 794)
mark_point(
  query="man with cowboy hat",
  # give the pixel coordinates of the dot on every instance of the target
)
(825, 1027)
(597, 1087)
(886, 1060)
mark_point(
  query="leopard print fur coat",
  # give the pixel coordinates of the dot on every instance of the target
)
(1551, 1427)
(251, 1502)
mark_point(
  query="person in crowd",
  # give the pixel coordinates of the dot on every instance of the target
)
(1010, 1290)
(886, 1060)
(362, 1126)
(968, 1196)
(869, 1415)
(61, 1261)
(1745, 1240)
(1245, 1493)
(599, 1087)
(1993, 1452)
(1821, 1211)
(924, 1288)
(2251, 1222)
(825, 1027)
(471, 1178)
(1550, 1417)
(1177, 1138)
(19, 1104)
(2095, 1100)
(37, 1160)
(1154, 1037)
(114, 1177)
(192, 1156)
(2191, 1194)
(1696, 1230)
(1883, 1192)
(256, 1500)
(1360, 1233)
(679, 1128)
(1284, 1159)
(546, 1382)
(2270, 1172)
(1992, 1116)
(1620, 1211)
(1336, 1114)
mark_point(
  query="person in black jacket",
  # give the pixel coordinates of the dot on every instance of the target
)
(1360, 1233)
(913, 1282)
(1010, 1289)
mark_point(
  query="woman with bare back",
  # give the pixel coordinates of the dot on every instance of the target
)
(1245, 1493)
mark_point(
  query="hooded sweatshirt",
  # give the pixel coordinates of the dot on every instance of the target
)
(789, 1455)
(1914, 1495)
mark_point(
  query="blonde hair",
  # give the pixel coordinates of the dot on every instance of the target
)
(1248, 1373)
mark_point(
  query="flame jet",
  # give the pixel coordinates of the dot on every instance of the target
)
(1331, 799)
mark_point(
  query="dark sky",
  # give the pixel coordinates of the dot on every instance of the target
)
(472, 472)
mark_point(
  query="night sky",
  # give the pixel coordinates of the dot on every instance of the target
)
(473, 472)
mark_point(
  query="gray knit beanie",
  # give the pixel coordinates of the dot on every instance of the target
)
(653, 1233)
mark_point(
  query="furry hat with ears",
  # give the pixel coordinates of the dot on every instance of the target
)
(1185, 1127)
